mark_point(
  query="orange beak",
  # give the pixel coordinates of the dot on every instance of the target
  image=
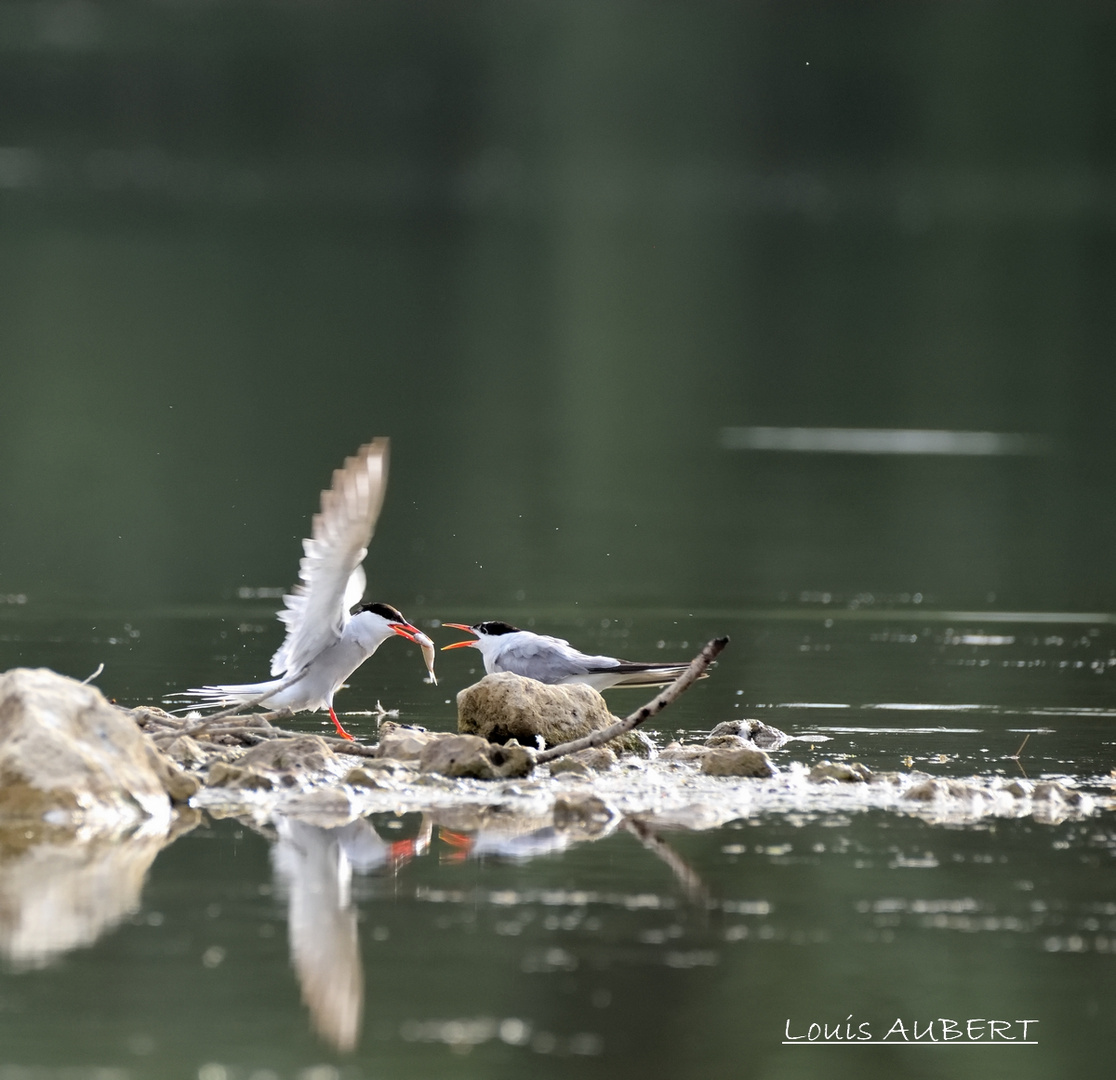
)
(459, 644)
(404, 630)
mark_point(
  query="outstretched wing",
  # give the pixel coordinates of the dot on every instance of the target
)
(330, 576)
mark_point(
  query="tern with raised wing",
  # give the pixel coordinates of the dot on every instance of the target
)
(330, 630)
(554, 660)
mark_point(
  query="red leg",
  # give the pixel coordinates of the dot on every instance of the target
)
(337, 724)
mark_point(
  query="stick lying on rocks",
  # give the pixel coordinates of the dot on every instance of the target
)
(669, 694)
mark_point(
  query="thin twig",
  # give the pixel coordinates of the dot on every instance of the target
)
(89, 678)
(669, 694)
(1015, 757)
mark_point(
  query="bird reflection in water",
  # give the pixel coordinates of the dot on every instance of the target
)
(314, 868)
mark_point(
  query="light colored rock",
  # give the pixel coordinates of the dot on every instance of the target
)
(746, 762)
(185, 751)
(177, 783)
(507, 706)
(676, 752)
(403, 743)
(729, 742)
(222, 774)
(472, 756)
(584, 762)
(67, 753)
(840, 771)
(361, 777)
(755, 731)
(307, 754)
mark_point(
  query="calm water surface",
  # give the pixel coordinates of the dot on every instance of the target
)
(575, 260)
(686, 954)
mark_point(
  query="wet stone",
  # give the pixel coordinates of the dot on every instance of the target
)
(729, 742)
(185, 751)
(755, 731)
(746, 762)
(841, 772)
(65, 751)
(361, 778)
(405, 744)
(223, 774)
(676, 752)
(932, 789)
(178, 784)
(305, 754)
(1051, 791)
(584, 762)
(474, 757)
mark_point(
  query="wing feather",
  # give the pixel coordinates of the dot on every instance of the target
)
(331, 579)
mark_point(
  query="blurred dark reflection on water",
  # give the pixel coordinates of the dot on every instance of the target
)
(554, 252)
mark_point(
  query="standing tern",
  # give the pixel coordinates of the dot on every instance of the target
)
(330, 631)
(554, 660)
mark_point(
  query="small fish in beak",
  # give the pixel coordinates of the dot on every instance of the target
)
(427, 647)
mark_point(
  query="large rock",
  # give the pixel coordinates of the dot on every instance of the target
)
(506, 706)
(71, 758)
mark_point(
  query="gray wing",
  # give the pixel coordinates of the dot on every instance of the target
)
(550, 659)
(331, 579)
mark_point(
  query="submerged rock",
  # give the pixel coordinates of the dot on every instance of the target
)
(68, 755)
(472, 756)
(745, 762)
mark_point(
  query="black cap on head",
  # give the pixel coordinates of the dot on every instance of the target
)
(385, 611)
(495, 628)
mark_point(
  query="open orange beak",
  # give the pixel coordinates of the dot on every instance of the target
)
(404, 630)
(459, 644)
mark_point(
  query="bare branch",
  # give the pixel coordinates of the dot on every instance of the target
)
(669, 694)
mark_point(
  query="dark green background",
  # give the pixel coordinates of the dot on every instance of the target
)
(552, 249)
